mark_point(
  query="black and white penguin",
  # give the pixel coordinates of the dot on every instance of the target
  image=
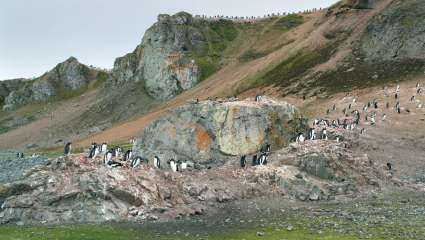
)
(94, 152)
(258, 98)
(263, 159)
(375, 104)
(243, 161)
(389, 166)
(136, 162)
(173, 165)
(20, 155)
(324, 134)
(183, 165)
(412, 99)
(104, 148)
(156, 162)
(107, 158)
(68, 148)
(128, 155)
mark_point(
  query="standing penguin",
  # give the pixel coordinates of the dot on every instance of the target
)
(263, 159)
(183, 165)
(243, 161)
(173, 165)
(68, 148)
(324, 134)
(94, 152)
(128, 155)
(107, 158)
(136, 162)
(104, 148)
(156, 162)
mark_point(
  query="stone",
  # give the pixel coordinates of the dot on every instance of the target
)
(211, 133)
(396, 33)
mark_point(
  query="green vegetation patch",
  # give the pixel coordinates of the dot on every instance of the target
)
(219, 35)
(290, 69)
(368, 74)
(288, 22)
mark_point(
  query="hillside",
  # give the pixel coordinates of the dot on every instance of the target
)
(309, 55)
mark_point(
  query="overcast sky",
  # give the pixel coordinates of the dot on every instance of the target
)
(35, 35)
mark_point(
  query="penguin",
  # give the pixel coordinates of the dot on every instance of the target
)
(396, 96)
(388, 105)
(412, 99)
(375, 104)
(397, 89)
(107, 158)
(243, 161)
(362, 131)
(183, 165)
(258, 98)
(128, 155)
(389, 166)
(313, 134)
(94, 152)
(384, 117)
(114, 164)
(301, 138)
(334, 107)
(173, 165)
(372, 120)
(254, 160)
(156, 162)
(324, 134)
(104, 148)
(263, 159)
(136, 162)
(68, 148)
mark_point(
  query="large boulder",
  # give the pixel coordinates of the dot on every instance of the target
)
(209, 133)
(397, 33)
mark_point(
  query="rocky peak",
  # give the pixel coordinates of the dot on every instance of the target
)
(179, 18)
(67, 76)
(168, 58)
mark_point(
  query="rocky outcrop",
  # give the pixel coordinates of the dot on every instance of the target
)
(168, 57)
(81, 190)
(397, 33)
(66, 77)
(212, 132)
(7, 86)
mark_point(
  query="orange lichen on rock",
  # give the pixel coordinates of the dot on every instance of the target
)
(203, 140)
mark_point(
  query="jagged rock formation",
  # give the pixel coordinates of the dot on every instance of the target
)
(7, 86)
(212, 132)
(397, 33)
(174, 55)
(78, 190)
(65, 78)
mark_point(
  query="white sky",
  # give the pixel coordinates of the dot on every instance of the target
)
(35, 35)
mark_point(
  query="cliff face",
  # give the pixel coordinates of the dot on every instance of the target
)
(397, 33)
(7, 86)
(174, 55)
(65, 78)
(213, 132)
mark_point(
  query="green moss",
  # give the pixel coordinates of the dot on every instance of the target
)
(100, 79)
(288, 22)
(251, 54)
(219, 35)
(289, 70)
(368, 74)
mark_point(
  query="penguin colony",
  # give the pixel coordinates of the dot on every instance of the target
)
(116, 157)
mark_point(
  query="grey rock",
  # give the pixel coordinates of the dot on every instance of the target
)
(397, 33)
(210, 133)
